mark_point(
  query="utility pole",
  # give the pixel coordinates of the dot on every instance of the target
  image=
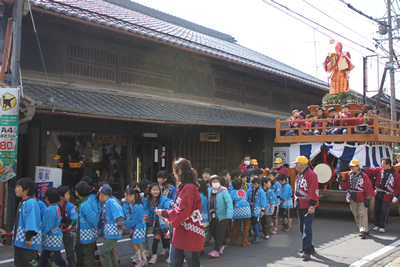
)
(15, 82)
(391, 56)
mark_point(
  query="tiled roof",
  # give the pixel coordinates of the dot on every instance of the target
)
(129, 20)
(112, 104)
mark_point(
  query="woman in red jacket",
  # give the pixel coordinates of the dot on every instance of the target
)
(186, 218)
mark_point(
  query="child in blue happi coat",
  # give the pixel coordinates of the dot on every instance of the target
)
(286, 203)
(136, 222)
(272, 201)
(42, 207)
(258, 202)
(27, 233)
(144, 186)
(202, 188)
(52, 235)
(160, 229)
(112, 217)
(166, 186)
(68, 221)
(277, 187)
(241, 213)
(86, 227)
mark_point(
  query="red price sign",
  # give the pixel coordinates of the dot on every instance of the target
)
(7, 146)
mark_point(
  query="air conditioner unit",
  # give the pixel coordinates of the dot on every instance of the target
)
(210, 137)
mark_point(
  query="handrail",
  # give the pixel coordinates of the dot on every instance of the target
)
(384, 130)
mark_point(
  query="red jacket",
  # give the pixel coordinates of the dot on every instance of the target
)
(244, 169)
(364, 187)
(306, 188)
(364, 121)
(393, 186)
(346, 122)
(186, 218)
(281, 170)
(295, 124)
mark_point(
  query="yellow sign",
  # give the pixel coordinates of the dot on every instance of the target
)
(8, 101)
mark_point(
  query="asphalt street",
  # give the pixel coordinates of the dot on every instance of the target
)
(335, 238)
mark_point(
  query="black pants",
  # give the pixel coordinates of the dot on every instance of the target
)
(58, 259)
(23, 256)
(217, 230)
(85, 254)
(381, 211)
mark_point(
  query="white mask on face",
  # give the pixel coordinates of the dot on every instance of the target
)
(215, 185)
(246, 162)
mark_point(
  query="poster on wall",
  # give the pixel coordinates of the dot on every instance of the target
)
(281, 152)
(46, 177)
(9, 121)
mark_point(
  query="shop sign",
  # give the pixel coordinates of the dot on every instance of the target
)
(46, 177)
(9, 121)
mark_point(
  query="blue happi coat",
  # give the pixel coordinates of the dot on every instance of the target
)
(52, 235)
(29, 220)
(42, 207)
(113, 211)
(277, 188)
(70, 212)
(88, 221)
(165, 203)
(272, 201)
(136, 222)
(241, 207)
(259, 204)
(126, 208)
(204, 208)
(286, 197)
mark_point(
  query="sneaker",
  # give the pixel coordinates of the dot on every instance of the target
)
(221, 250)
(145, 262)
(214, 254)
(376, 228)
(164, 252)
(306, 257)
(363, 235)
(153, 259)
(134, 259)
(381, 230)
(267, 237)
(167, 261)
(246, 245)
(256, 240)
(138, 264)
(275, 231)
(287, 229)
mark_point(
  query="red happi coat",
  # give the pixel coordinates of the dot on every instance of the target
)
(186, 218)
(281, 170)
(346, 122)
(393, 187)
(306, 188)
(364, 187)
(294, 122)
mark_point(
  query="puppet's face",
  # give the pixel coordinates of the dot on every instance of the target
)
(338, 47)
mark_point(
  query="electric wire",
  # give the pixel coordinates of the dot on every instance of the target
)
(369, 49)
(337, 21)
(42, 58)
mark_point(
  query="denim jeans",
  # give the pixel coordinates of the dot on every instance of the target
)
(306, 229)
(381, 211)
(176, 257)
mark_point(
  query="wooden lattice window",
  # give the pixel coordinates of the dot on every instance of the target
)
(91, 63)
(146, 73)
(227, 89)
(256, 96)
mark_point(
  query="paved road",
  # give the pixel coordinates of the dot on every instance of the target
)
(335, 238)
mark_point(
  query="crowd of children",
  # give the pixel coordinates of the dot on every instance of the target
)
(230, 202)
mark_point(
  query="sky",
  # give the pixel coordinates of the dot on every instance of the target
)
(265, 27)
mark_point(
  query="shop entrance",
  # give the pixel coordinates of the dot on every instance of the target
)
(149, 158)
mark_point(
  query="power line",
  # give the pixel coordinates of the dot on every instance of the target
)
(288, 9)
(362, 13)
(336, 21)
